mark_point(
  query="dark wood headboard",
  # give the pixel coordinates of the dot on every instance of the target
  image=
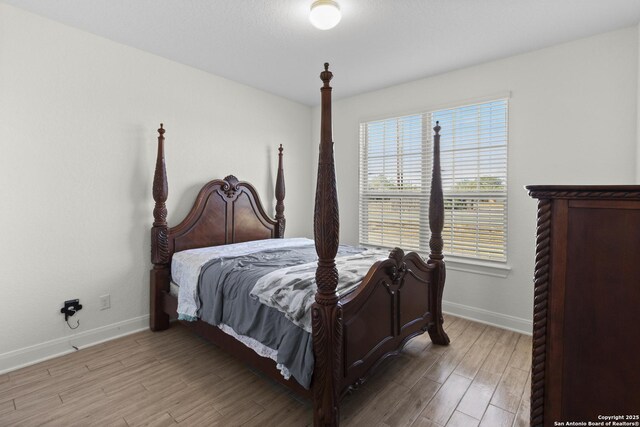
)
(225, 211)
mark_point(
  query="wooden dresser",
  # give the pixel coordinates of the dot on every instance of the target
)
(586, 325)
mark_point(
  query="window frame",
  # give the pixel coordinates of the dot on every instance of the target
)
(473, 264)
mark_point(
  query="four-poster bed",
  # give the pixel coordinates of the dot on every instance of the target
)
(352, 333)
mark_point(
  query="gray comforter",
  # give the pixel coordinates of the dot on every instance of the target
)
(224, 291)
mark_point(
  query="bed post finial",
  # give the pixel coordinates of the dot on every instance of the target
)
(326, 77)
(436, 244)
(280, 192)
(326, 313)
(159, 279)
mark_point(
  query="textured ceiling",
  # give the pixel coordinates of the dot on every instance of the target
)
(270, 44)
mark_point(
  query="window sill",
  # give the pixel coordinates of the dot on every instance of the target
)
(488, 268)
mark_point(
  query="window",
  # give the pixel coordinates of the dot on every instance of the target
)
(395, 176)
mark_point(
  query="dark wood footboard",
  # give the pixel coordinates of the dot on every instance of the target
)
(387, 310)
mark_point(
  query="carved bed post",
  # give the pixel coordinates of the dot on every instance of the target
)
(282, 222)
(326, 312)
(436, 224)
(159, 280)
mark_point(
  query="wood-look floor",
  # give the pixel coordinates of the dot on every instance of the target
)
(174, 377)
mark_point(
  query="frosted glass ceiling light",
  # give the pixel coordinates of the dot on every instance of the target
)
(325, 14)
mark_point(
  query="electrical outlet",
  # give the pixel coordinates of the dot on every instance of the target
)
(105, 302)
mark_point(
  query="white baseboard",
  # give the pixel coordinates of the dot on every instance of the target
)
(20, 358)
(47, 350)
(492, 318)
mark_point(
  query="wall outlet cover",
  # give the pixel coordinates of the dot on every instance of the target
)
(105, 302)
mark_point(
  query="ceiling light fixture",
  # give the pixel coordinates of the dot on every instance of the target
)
(325, 14)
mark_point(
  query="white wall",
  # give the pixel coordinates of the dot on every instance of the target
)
(572, 120)
(78, 125)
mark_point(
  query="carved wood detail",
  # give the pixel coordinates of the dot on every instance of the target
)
(160, 255)
(327, 349)
(399, 269)
(436, 201)
(436, 224)
(280, 192)
(160, 244)
(326, 314)
(391, 306)
(540, 302)
(230, 186)
(593, 192)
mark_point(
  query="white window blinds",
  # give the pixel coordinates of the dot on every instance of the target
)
(394, 182)
(395, 175)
